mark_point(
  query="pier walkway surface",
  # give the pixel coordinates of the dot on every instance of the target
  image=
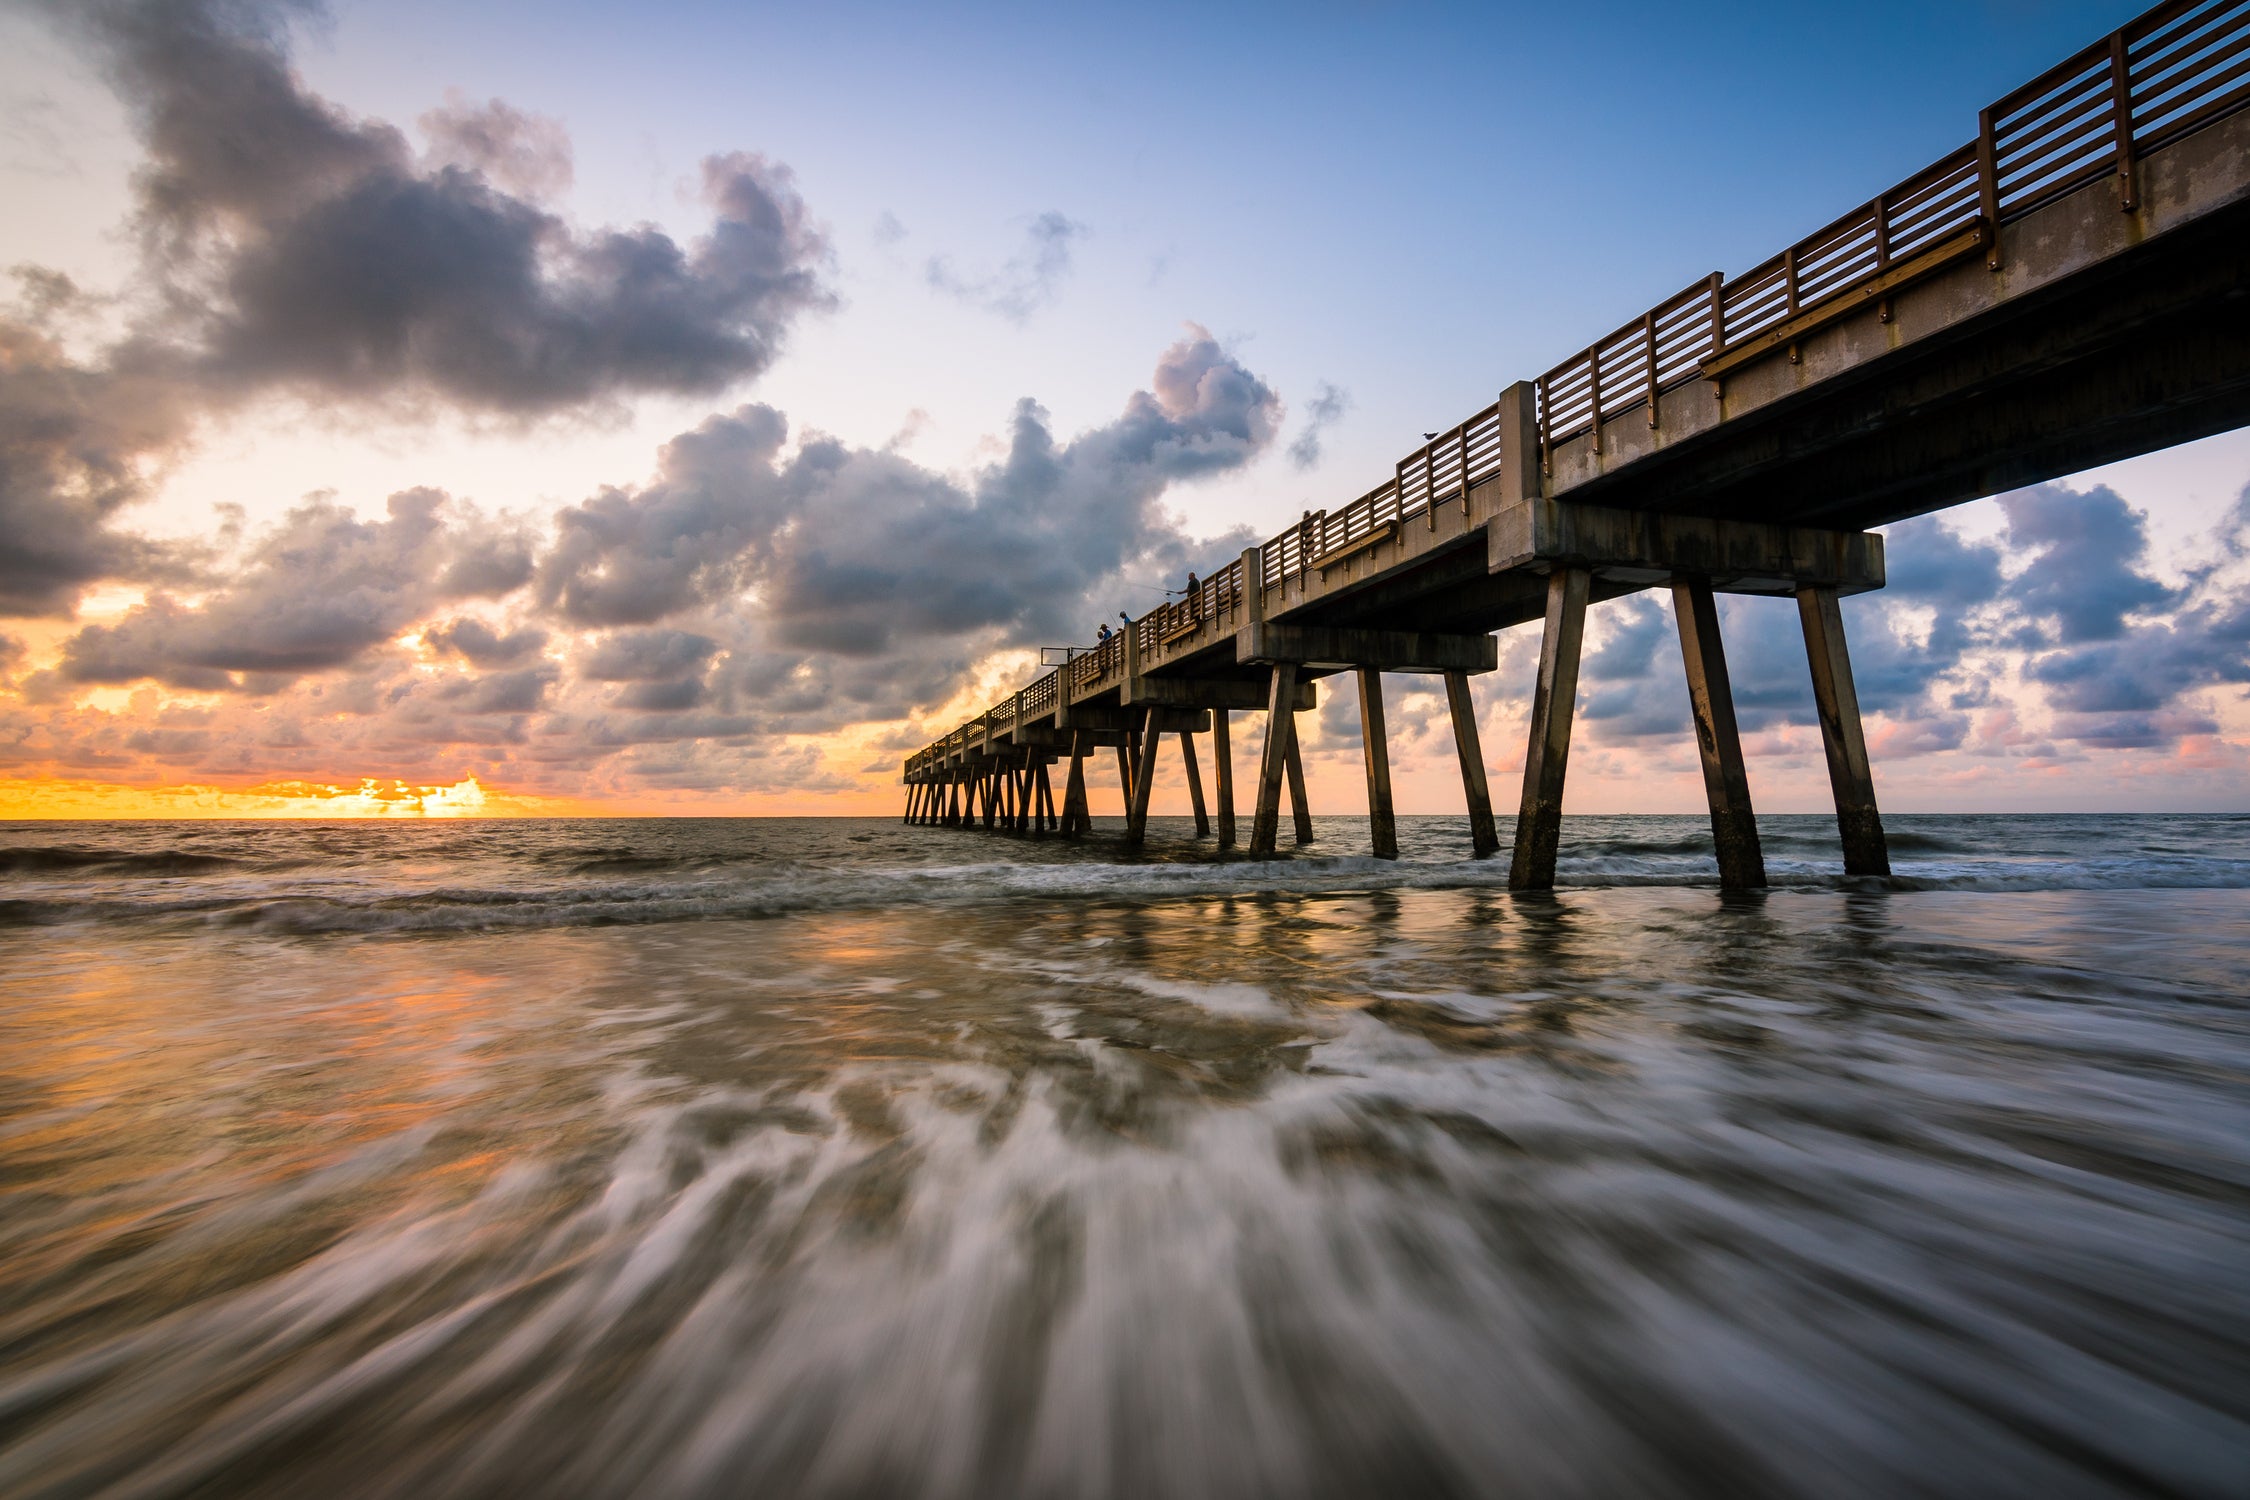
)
(2069, 288)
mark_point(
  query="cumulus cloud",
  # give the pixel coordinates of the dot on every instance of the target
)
(310, 248)
(2116, 650)
(521, 153)
(478, 643)
(673, 634)
(317, 592)
(77, 446)
(1323, 411)
(289, 248)
(1029, 280)
(870, 583)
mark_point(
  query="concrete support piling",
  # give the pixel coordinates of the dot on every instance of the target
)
(1468, 745)
(1074, 818)
(1144, 781)
(1299, 808)
(1281, 739)
(1195, 785)
(1726, 780)
(1382, 821)
(1547, 757)
(1125, 774)
(1222, 753)
(1850, 775)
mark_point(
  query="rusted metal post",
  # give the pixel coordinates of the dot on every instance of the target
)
(1468, 747)
(1144, 782)
(1195, 785)
(1850, 774)
(1294, 762)
(1074, 819)
(1222, 753)
(1539, 819)
(1281, 736)
(1382, 821)
(1726, 781)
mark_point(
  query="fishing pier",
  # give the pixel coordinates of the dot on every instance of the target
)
(2068, 289)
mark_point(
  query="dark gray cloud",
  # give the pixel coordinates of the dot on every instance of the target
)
(1323, 411)
(318, 592)
(313, 251)
(480, 645)
(289, 248)
(2088, 550)
(2122, 649)
(1029, 280)
(76, 446)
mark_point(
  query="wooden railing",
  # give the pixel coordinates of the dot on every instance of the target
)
(2170, 71)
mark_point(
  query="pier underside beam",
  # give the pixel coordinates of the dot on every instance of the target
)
(1850, 775)
(1726, 781)
(1539, 819)
(1375, 650)
(1196, 693)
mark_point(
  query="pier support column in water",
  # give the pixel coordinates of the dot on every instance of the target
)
(1144, 780)
(1726, 781)
(1125, 774)
(1299, 809)
(1539, 819)
(1074, 818)
(1195, 785)
(1850, 775)
(1222, 754)
(1468, 745)
(1382, 821)
(1281, 739)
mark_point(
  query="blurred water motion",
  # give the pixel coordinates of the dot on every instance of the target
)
(1118, 1179)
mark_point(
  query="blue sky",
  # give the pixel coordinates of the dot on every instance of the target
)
(1378, 215)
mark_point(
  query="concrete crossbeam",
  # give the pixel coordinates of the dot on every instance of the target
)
(1197, 693)
(1263, 642)
(1737, 557)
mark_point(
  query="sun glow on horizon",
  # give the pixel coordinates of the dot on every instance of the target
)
(372, 797)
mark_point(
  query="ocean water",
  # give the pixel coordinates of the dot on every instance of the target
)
(843, 1158)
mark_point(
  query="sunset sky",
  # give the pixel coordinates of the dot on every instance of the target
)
(696, 407)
